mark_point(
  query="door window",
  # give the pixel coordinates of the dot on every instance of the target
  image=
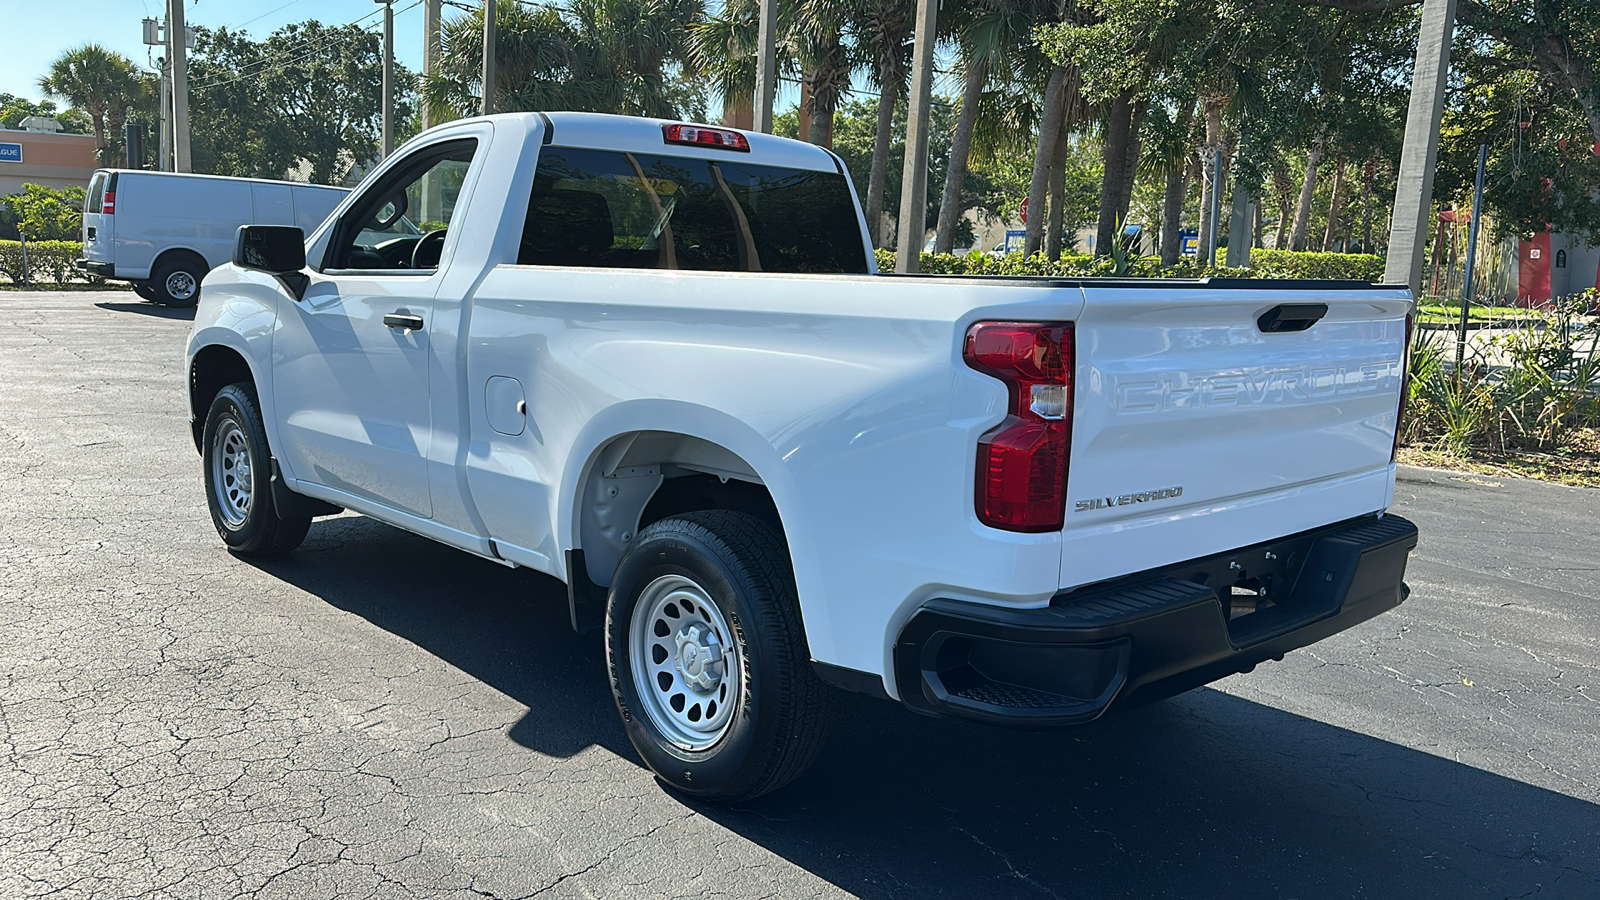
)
(400, 223)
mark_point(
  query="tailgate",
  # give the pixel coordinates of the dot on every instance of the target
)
(1207, 414)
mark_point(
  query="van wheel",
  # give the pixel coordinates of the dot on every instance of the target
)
(238, 469)
(144, 290)
(176, 282)
(708, 659)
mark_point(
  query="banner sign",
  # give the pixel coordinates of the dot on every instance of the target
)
(10, 153)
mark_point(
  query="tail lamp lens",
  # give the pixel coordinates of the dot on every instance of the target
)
(701, 136)
(1022, 462)
(108, 202)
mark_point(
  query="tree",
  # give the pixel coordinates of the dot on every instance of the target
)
(595, 55)
(46, 214)
(102, 84)
(14, 109)
(882, 31)
(308, 95)
(995, 38)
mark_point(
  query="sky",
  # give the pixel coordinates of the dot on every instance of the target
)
(34, 32)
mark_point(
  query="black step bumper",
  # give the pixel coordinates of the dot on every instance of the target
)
(103, 269)
(1154, 634)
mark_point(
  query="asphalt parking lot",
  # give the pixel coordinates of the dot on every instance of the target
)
(380, 716)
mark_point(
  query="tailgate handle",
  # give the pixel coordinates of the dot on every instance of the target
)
(1286, 317)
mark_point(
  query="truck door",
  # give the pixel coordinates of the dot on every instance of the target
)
(351, 359)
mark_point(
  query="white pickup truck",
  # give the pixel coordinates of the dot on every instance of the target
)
(656, 361)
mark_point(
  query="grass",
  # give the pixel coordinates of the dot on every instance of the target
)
(1438, 314)
(69, 286)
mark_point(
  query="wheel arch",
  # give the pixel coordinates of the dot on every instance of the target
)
(212, 367)
(176, 251)
(640, 447)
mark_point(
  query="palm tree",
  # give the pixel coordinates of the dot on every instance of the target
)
(882, 30)
(596, 55)
(995, 36)
(98, 82)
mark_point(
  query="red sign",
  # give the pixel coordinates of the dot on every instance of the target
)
(1023, 209)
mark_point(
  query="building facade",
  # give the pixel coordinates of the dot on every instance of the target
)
(40, 157)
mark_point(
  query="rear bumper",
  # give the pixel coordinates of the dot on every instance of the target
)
(1153, 634)
(103, 269)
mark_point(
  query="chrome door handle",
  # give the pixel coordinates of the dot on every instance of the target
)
(401, 320)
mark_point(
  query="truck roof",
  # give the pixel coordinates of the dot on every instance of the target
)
(644, 135)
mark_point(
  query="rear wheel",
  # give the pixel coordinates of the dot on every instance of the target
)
(237, 472)
(176, 282)
(708, 659)
(144, 290)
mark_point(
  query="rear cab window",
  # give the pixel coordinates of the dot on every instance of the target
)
(614, 209)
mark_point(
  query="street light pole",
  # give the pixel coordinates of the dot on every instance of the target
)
(488, 57)
(767, 66)
(178, 52)
(914, 177)
(388, 76)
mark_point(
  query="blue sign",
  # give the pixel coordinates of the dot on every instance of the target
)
(1016, 239)
(10, 153)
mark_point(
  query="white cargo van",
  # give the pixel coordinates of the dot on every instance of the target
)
(163, 231)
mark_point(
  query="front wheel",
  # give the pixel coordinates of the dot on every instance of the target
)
(708, 659)
(237, 476)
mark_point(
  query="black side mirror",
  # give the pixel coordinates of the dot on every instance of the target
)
(275, 249)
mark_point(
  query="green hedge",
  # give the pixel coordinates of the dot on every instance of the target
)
(1263, 264)
(49, 262)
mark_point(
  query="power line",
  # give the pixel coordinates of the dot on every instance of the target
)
(267, 13)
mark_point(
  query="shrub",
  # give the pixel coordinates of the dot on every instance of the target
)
(1264, 264)
(50, 262)
(46, 214)
(1532, 392)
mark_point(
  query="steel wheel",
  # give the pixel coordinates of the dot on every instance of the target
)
(685, 665)
(232, 473)
(181, 285)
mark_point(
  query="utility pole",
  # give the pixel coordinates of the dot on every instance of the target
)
(767, 66)
(178, 52)
(165, 163)
(914, 177)
(388, 76)
(430, 50)
(1413, 192)
(488, 58)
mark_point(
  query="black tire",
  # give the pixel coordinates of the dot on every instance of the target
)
(776, 728)
(234, 431)
(144, 290)
(176, 281)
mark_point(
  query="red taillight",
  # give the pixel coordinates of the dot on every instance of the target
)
(1022, 462)
(1405, 388)
(108, 202)
(701, 136)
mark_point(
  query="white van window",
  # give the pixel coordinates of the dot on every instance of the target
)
(93, 201)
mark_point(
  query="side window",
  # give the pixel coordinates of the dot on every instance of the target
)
(400, 223)
(642, 210)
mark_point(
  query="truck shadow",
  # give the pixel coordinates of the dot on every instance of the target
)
(1207, 794)
(150, 309)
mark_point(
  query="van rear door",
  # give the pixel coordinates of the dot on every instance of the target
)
(99, 223)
